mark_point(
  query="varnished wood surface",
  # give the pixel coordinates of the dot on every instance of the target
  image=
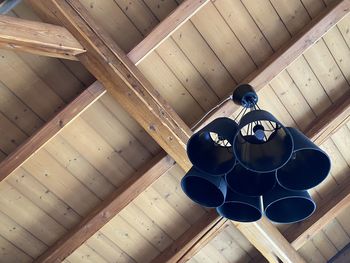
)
(50, 129)
(38, 38)
(302, 93)
(164, 30)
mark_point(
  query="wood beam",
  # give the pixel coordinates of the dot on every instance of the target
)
(170, 24)
(37, 32)
(187, 245)
(105, 211)
(318, 131)
(289, 52)
(38, 38)
(50, 129)
(126, 84)
(110, 65)
(266, 237)
(329, 122)
(268, 76)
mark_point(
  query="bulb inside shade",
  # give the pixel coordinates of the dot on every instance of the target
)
(259, 132)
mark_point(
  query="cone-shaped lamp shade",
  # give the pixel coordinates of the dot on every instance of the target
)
(285, 206)
(250, 183)
(210, 155)
(307, 167)
(240, 208)
(204, 189)
(267, 147)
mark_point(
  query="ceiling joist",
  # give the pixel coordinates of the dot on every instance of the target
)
(289, 52)
(110, 207)
(319, 27)
(298, 234)
(160, 33)
(50, 129)
(110, 65)
(126, 84)
(38, 38)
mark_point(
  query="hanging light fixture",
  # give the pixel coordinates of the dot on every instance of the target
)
(255, 166)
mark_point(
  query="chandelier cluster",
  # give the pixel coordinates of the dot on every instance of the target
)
(254, 167)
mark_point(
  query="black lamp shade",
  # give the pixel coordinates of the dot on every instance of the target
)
(250, 183)
(240, 208)
(204, 189)
(259, 155)
(209, 156)
(308, 166)
(285, 206)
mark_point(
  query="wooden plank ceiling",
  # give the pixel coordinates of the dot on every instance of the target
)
(104, 148)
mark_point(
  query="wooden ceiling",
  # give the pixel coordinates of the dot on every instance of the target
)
(84, 165)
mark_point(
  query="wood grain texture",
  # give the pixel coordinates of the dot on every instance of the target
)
(266, 237)
(268, 75)
(38, 38)
(124, 81)
(192, 240)
(160, 33)
(288, 53)
(50, 129)
(326, 124)
(105, 211)
(331, 120)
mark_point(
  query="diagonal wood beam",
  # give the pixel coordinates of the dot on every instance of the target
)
(336, 202)
(105, 211)
(123, 80)
(55, 41)
(126, 84)
(189, 243)
(322, 27)
(38, 33)
(289, 52)
(50, 129)
(170, 24)
(38, 38)
(267, 237)
(318, 131)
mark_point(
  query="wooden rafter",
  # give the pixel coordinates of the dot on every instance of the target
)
(160, 33)
(289, 52)
(192, 240)
(126, 84)
(319, 131)
(329, 122)
(123, 80)
(105, 211)
(50, 129)
(311, 41)
(267, 238)
(38, 38)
